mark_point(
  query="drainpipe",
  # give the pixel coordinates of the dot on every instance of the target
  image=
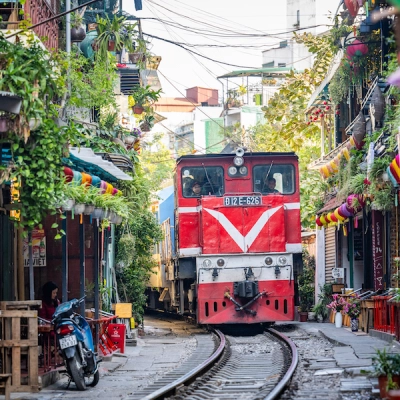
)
(351, 251)
(31, 277)
(64, 261)
(96, 279)
(82, 264)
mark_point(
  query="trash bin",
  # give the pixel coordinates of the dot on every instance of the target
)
(117, 334)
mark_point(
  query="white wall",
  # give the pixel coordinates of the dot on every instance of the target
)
(319, 261)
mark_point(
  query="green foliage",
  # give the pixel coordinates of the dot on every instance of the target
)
(306, 282)
(33, 74)
(286, 109)
(144, 95)
(386, 363)
(158, 164)
(133, 278)
(324, 298)
(92, 82)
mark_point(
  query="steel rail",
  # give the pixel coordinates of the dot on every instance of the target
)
(191, 374)
(289, 373)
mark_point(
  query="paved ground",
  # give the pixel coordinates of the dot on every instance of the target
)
(160, 350)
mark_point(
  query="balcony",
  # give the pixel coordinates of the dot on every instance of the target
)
(34, 11)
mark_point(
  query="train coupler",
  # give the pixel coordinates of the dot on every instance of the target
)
(244, 307)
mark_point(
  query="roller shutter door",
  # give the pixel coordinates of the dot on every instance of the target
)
(330, 253)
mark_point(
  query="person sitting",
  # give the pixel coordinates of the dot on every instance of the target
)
(49, 301)
(196, 189)
(269, 186)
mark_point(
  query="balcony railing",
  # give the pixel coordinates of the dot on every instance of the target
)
(38, 11)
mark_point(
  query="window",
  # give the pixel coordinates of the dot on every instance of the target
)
(283, 174)
(202, 181)
(281, 65)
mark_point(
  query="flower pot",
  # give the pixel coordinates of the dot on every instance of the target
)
(34, 123)
(106, 214)
(79, 208)
(3, 124)
(393, 394)
(383, 381)
(111, 45)
(354, 324)
(338, 319)
(77, 34)
(137, 109)
(311, 316)
(145, 127)
(98, 213)
(118, 220)
(134, 58)
(68, 204)
(129, 140)
(303, 316)
(88, 209)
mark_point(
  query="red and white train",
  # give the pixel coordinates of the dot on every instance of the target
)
(237, 244)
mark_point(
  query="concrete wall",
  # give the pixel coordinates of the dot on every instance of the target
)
(202, 95)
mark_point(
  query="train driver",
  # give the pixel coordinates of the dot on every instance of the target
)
(196, 189)
(269, 186)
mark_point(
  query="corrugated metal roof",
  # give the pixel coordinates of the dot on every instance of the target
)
(264, 72)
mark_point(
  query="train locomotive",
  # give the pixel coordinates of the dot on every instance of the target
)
(235, 244)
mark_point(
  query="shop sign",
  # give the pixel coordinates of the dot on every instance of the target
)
(38, 249)
(377, 249)
(337, 273)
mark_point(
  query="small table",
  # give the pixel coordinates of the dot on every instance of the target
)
(47, 330)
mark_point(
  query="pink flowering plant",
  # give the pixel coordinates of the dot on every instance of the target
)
(337, 304)
(353, 307)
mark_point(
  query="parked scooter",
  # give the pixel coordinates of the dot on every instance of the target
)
(75, 342)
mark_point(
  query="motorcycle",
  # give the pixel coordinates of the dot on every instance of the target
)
(75, 342)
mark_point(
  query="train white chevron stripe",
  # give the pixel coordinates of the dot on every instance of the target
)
(244, 242)
(185, 210)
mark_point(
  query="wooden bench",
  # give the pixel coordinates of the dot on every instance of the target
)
(5, 385)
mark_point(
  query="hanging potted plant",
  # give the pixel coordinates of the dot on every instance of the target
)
(147, 123)
(141, 96)
(77, 30)
(109, 37)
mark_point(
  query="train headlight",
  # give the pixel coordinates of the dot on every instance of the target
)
(282, 260)
(243, 170)
(207, 263)
(238, 161)
(268, 260)
(232, 170)
(220, 262)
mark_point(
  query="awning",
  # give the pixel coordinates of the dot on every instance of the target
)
(330, 205)
(335, 64)
(85, 159)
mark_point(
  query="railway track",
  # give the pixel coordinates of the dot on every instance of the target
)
(229, 367)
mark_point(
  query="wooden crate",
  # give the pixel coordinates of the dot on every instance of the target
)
(21, 305)
(19, 349)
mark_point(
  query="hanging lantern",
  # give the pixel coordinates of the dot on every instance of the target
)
(338, 216)
(333, 217)
(359, 130)
(356, 49)
(318, 221)
(353, 7)
(323, 220)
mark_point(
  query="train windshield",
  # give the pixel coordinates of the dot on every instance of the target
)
(274, 178)
(202, 181)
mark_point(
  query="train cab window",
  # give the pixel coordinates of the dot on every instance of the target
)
(202, 181)
(279, 178)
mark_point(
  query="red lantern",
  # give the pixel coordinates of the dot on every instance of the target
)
(352, 6)
(356, 49)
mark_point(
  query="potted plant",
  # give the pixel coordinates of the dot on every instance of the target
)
(324, 298)
(143, 95)
(386, 366)
(337, 305)
(353, 309)
(77, 30)
(147, 123)
(109, 36)
(90, 196)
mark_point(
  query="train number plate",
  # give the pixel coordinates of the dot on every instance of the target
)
(68, 341)
(242, 201)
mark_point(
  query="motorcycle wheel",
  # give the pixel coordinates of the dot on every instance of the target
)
(95, 381)
(77, 373)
